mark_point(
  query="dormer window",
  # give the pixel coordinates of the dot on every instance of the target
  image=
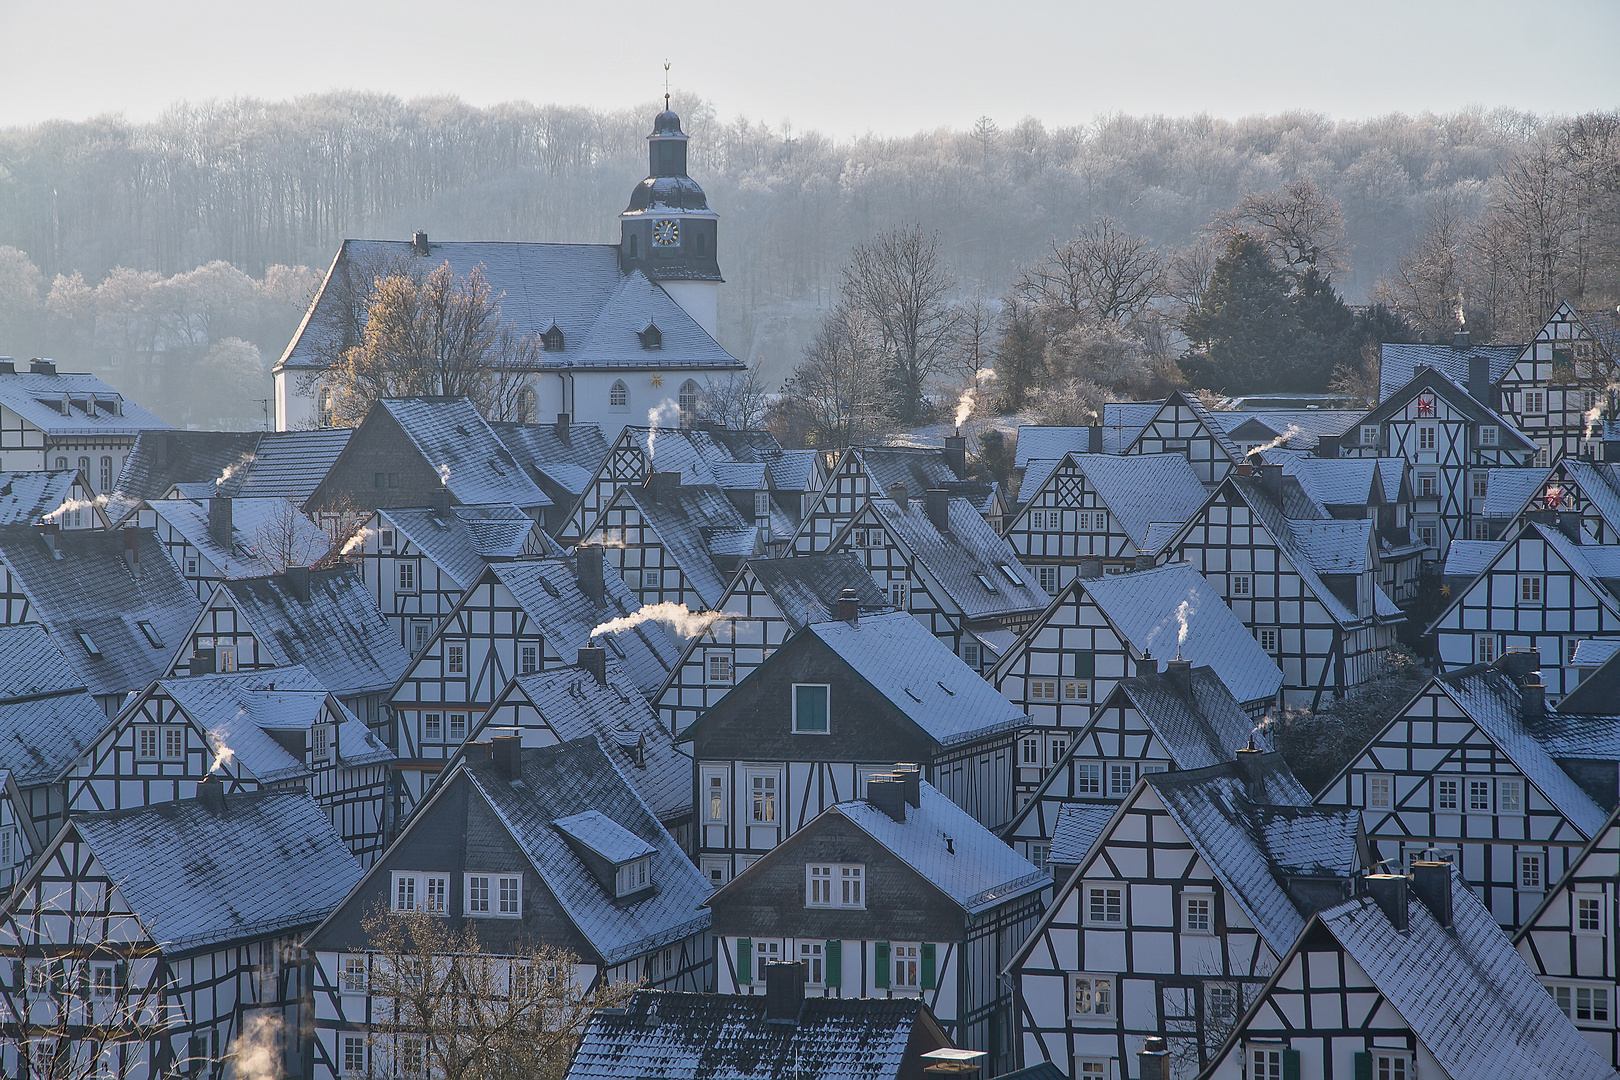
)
(652, 337)
(633, 876)
(89, 644)
(620, 860)
(552, 340)
(320, 742)
(1007, 572)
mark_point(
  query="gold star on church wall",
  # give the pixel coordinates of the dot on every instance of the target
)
(658, 380)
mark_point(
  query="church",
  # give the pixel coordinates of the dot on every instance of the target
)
(625, 329)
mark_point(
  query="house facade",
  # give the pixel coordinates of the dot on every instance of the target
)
(51, 420)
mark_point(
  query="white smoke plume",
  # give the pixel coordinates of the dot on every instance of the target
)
(1462, 323)
(355, 542)
(444, 474)
(964, 405)
(1184, 612)
(677, 617)
(68, 507)
(1288, 433)
(223, 754)
(231, 470)
(610, 538)
(655, 416)
(258, 1047)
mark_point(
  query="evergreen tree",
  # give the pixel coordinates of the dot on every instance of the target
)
(1244, 328)
(1329, 336)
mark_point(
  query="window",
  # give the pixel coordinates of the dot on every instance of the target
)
(810, 957)
(385, 539)
(1007, 572)
(1120, 779)
(1267, 636)
(714, 794)
(1428, 533)
(1242, 585)
(528, 659)
(820, 886)
(1369, 434)
(61, 463)
(900, 595)
(106, 474)
(1582, 1002)
(1092, 997)
(984, 579)
(552, 339)
(458, 726)
(320, 742)
(652, 337)
(354, 975)
(1428, 484)
(191, 566)
(1088, 778)
(651, 579)
(146, 743)
(89, 644)
(149, 632)
(1105, 905)
(404, 892)
(1090, 1070)
(1487, 435)
(763, 801)
(765, 952)
(838, 885)
(102, 985)
(1267, 1062)
(1479, 796)
(1425, 436)
(1032, 751)
(971, 653)
(455, 658)
(762, 504)
(688, 400)
(631, 877)
(421, 633)
(849, 886)
(1510, 796)
(1076, 691)
(1048, 578)
(412, 1058)
(407, 575)
(1535, 402)
(1446, 794)
(1380, 791)
(810, 709)
(1482, 484)
(1038, 854)
(715, 871)
(1532, 877)
(354, 1055)
(1588, 915)
(1530, 588)
(719, 667)
(433, 727)
(905, 968)
(619, 397)
(1197, 913)
(1223, 1003)
(1484, 648)
(497, 895)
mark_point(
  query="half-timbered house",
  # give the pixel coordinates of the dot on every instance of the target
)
(115, 606)
(1101, 506)
(1562, 379)
(67, 420)
(248, 730)
(1375, 986)
(19, 840)
(210, 540)
(322, 619)
(766, 603)
(1500, 496)
(835, 703)
(1304, 585)
(1476, 770)
(416, 562)
(519, 618)
(64, 498)
(1098, 628)
(1477, 368)
(1540, 590)
(540, 846)
(1584, 490)
(1181, 910)
(47, 719)
(862, 472)
(164, 941)
(897, 895)
(936, 557)
(1182, 425)
(675, 543)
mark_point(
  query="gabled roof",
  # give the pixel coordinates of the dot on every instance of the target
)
(1600, 691)
(1300, 429)
(726, 1037)
(1335, 546)
(694, 451)
(1340, 481)
(806, 588)
(1454, 395)
(285, 464)
(1600, 484)
(1597, 566)
(74, 403)
(604, 837)
(47, 717)
(270, 863)
(467, 539)
(89, 589)
(27, 497)
(1077, 827)
(337, 633)
(695, 523)
(1217, 432)
(579, 288)
(920, 676)
(959, 560)
(1470, 558)
(1278, 523)
(1399, 363)
(246, 464)
(558, 782)
(1467, 995)
(561, 464)
(1143, 606)
(1508, 491)
(1205, 727)
(1142, 489)
(454, 439)
(32, 664)
(263, 533)
(920, 469)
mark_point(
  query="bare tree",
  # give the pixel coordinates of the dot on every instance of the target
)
(1427, 287)
(899, 282)
(739, 400)
(1301, 224)
(444, 1007)
(287, 538)
(839, 388)
(1102, 275)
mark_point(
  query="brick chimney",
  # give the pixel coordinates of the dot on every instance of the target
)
(939, 508)
(1389, 893)
(887, 792)
(588, 572)
(956, 455)
(784, 992)
(849, 607)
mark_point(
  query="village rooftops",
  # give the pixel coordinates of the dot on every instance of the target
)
(264, 534)
(71, 403)
(466, 539)
(1195, 717)
(971, 562)
(806, 589)
(1400, 363)
(1477, 412)
(920, 469)
(1299, 429)
(696, 523)
(1508, 491)
(47, 716)
(1596, 565)
(1143, 490)
(1354, 482)
(251, 464)
(561, 458)
(29, 497)
(472, 462)
(1077, 827)
(1121, 422)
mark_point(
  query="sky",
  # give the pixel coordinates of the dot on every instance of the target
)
(844, 67)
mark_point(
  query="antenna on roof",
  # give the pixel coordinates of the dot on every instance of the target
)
(666, 86)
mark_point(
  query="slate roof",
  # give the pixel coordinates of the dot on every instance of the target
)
(32, 664)
(1197, 730)
(1280, 524)
(1300, 429)
(1142, 489)
(1598, 565)
(258, 533)
(1508, 491)
(695, 523)
(271, 863)
(286, 464)
(338, 633)
(694, 451)
(1464, 990)
(1036, 474)
(1594, 653)
(90, 589)
(1142, 606)
(571, 778)
(603, 836)
(26, 497)
(1604, 325)
(249, 464)
(1343, 481)
(1469, 558)
(921, 469)
(1458, 398)
(1217, 433)
(548, 590)
(1399, 363)
(563, 467)
(47, 717)
(456, 440)
(1077, 827)
(1600, 484)
(1599, 692)
(469, 538)
(920, 676)
(74, 403)
(806, 588)
(580, 288)
(617, 716)
(956, 559)
(726, 1037)
(1335, 546)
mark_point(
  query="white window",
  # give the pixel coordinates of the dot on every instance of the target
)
(1048, 577)
(1076, 691)
(1482, 487)
(385, 539)
(763, 798)
(354, 975)
(1223, 1003)
(1091, 997)
(632, 877)
(1032, 751)
(715, 871)
(714, 796)
(320, 742)
(1428, 484)
(528, 659)
(1242, 585)
(1582, 1002)
(458, 726)
(651, 579)
(412, 1057)
(433, 727)
(811, 708)
(905, 967)
(1532, 872)
(1428, 533)
(1038, 854)
(1530, 588)
(1369, 434)
(493, 895)
(1105, 905)
(1446, 794)
(1510, 796)
(837, 885)
(421, 632)
(191, 566)
(1541, 458)
(719, 667)
(1043, 689)
(810, 956)
(102, 985)
(174, 742)
(1380, 791)
(455, 657)
(1479, 796)
(820, 886)
(1588, 914)
(850, 879)
(765, 952)
(1393, 1065)
(146, 743)
(762, 504)
(403, 894)
(618, 396)
(106, 474)
(1090, 1070)
(1425, 434)
(1057, 748)
(1487, 435)
(971, 653)
(1198, 913)
(354, 1055)
(407, 576)
(1535, 402)
(1484, 648)
(1121, 778)
(1267, 1062)
(900, 595)
(1088, 778)
(1267, 636)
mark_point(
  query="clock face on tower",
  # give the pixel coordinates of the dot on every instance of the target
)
(667, 233)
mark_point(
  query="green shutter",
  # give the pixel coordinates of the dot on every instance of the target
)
(1363, 1069)
(745, 960)
(1085, 665)
(1290, 1065)
(880, 965)
(833, 964)
(928, 965)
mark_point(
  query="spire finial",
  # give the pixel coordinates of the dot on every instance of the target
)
(666, 86)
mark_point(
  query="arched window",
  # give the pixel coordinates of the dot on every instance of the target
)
(106, 474)
(689, 401)
(619, 397)
(61, 464)
(525, 405)
(323, 407)
(652, 337)
(84, 469)
(553, 339)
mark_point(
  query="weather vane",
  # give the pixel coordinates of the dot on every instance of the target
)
(666, 86)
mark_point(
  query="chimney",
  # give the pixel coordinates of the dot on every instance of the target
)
(593, 658)
(506, 751)
(1146, 666)
(784, 993)
(202, 662)
(1144, 562)
(562, 427)
(419, 243)
(1270, 480)
(439, 503)
(588, 571)
(1389, 893)
(939, 508)
(1178, 673)
(1251, 767)
(1459, 340)
(910, 775)
(956, 455)
(888, 793)
(132, 549)
(901, 497)
(219, 521)
(476, 751)
(660, 486)
(1243, 468)
(1533, 699)
(297, 578)
(1090, 568)
(8, 366)
(42, 366)
(1153, 1060)
(1327, 446)
(849, 607)
(50, 532)
(211, 794)
(1479, 373)
(1432, 883)
(1520, 663)
(1094, 443)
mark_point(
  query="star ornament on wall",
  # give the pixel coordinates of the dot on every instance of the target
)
(658, 380)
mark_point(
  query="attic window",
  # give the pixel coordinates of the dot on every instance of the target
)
(89, 645)
(150, 633)
(633, 876)
(984, 579)
(652, 337)
(1007, 572)
(552, 340)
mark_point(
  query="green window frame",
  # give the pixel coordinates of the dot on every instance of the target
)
(832, 964)
(812, 709)
(745, 961)
(928, 979)
(880, 965)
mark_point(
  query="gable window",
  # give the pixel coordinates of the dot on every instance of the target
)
(146, 743)
(1105, 905)
(837, 885)
(433, 727)
(493, 895)
(455, 658)
(763, 798)
(191, 566)
(688, 400)
(421, 633)
(1532, 872)
(528, 659)
(1479, 796)
(971, 654)
(1120, 779)
(900, 595)
(1588, 915)
(762, 504)
(1242, 585)
(402, 896)
(1198, 913)
(1088, 778)
(1487, 435)
(1369, 434)
(385, 539)
(619, 397)
(719, 667)
(1582, 1002)
(1428, 533)
(632, 877)
(458, 726)
(1425, 436)
(320, 742)
(652, 337)
(1530, 588)
(1510, 796)
(1446, 794)
(407, 576)
(1091, 997)
(552, 340)
(1482, 485)
(354, 975)
(810, 709)
(810, 955)
(1048, 577)
(1076, 691)
(1535, 402)
(1380, 791)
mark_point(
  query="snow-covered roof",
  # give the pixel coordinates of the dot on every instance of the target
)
(1399, 362)
(1298, 429)
(1452, 392)
(1508, 491)
(695, 523)
(1469, 558)
(1077, 827)
(603, 836)
(264, 532)
(74, 404)
(1600, 484)
(27, 497)
(1342, 481)
(806, 588)
(47, 717)
(1594, 653)
(248, 464)
(1142, 489)
(455, 440)
(1335, 546)
(579, 288)
(1197, 729)
(921, 469)
(269, 864)
(1598, 691)
(920, 676)
(1036, 474)
(1217, 433)
(951, 851)
(467, 539)
(1143, 606)
(961, 559)
(1281, 525)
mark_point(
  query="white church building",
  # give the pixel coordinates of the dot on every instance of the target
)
(624, 328)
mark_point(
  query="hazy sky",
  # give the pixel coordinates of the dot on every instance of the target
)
(842, 66)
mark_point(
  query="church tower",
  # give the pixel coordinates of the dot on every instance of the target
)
(668, 231)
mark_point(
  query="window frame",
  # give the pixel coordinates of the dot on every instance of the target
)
(1261, 633)
(1566, 997)
(619, 396)
(1532, 584)
(719, 658)
(455, 657)
(826, 709)
(1103, 889)
(758, 799)
(348, 982)
(488, 898)
(1367, 783)
(1448, 794)
(1578, 918)
(1509, 795)
(142, 731)
(1190, 898)
(1085, 777)
(407, 577)
(1524, 860)
(1242, 585)
(715, 782)
(905, 965)
(1109, 1014)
